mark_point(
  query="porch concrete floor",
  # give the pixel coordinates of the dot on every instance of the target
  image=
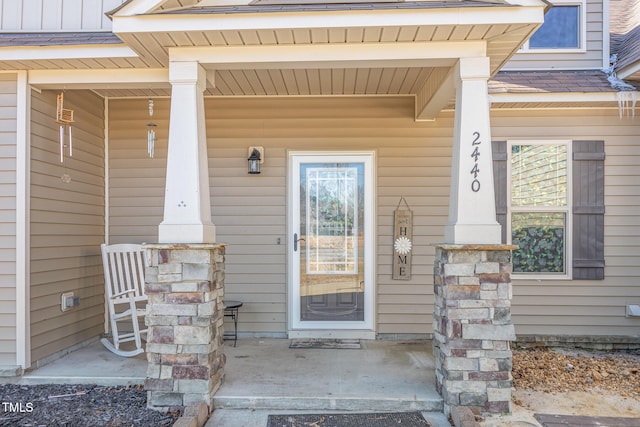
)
(382, 375)
(93, 364)
(265, 376)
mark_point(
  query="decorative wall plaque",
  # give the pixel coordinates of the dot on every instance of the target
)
(402, 244)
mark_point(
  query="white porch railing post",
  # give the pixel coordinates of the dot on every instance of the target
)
(187, 209)
(472, 212)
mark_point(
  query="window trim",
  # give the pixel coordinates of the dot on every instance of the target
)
(582, 31)
(568, 210)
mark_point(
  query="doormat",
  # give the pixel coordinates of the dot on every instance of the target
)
(325, 343)
(404, 419)
(548, 420)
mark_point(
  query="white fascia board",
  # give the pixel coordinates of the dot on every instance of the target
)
(554, 97)
(328, 19)
(27, 53)
(346, 54)
(138, 7)
(628, 71)
(205, 3)
(542, 3)
(96, 79)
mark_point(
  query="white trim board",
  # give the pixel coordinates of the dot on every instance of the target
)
(23, 143)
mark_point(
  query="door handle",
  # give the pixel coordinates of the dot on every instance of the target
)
(295, 241)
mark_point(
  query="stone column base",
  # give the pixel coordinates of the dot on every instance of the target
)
(185, 285)
(472, 326)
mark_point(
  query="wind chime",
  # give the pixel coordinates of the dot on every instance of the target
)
(64, 117)
(151, 133)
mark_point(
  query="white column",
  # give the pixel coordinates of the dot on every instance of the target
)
(472, 212)
(187, 209)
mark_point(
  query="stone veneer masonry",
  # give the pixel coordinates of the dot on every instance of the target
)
(472, 326)
(185, 312)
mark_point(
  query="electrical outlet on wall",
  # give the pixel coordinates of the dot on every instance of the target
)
(633, 310)
(67, 301)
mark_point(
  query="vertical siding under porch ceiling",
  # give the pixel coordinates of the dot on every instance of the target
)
(56, 15)
(67, 223)
(586, 307)
(249, 211)
(8, 135)
(590, 59)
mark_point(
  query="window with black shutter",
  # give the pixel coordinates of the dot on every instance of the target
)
(550, 202)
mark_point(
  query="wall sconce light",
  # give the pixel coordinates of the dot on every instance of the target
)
(256, 157)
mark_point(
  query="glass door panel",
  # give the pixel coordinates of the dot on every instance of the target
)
(331, 242)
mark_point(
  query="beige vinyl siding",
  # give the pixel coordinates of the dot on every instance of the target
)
(412, 160)
(250, 211)
(67, 223)
(136, 182)
(587, 307)
(56, 15)
(8, 135)
(591, 59)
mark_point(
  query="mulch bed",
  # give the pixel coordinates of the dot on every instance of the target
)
(55, 405)
(564, 370)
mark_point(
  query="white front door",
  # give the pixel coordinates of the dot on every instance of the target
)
(331, 244)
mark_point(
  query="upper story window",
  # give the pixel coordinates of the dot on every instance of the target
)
(564, 28)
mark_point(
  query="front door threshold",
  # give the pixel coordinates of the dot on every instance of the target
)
(332, 334)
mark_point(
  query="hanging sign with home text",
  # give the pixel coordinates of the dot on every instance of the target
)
(402, 244)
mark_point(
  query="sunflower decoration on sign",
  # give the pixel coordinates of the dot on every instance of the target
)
(402, 245)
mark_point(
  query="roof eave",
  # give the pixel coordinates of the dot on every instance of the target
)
(494, 15)
(630, 72)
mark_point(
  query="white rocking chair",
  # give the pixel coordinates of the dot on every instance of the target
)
(124, 288)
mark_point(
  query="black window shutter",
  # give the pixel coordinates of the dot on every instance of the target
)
(500, 183)
(588, 210)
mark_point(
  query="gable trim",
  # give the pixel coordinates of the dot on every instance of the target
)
(169, 22)
(136, 7)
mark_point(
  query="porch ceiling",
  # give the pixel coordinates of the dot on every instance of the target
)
(501, 26)
(399, 48)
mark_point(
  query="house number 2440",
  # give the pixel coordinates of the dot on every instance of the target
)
(475, 155)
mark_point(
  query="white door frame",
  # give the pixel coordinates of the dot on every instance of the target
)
(330, 329)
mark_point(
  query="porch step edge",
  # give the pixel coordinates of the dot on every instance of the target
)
(326, 403)
(10, 370)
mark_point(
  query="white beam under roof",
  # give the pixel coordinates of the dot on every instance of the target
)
(100, 79)
(628, 72)
(554, 97)
(41, 53)
(431, 54)
(435, 94)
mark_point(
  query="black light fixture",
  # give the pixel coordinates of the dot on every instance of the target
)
(255, 158)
